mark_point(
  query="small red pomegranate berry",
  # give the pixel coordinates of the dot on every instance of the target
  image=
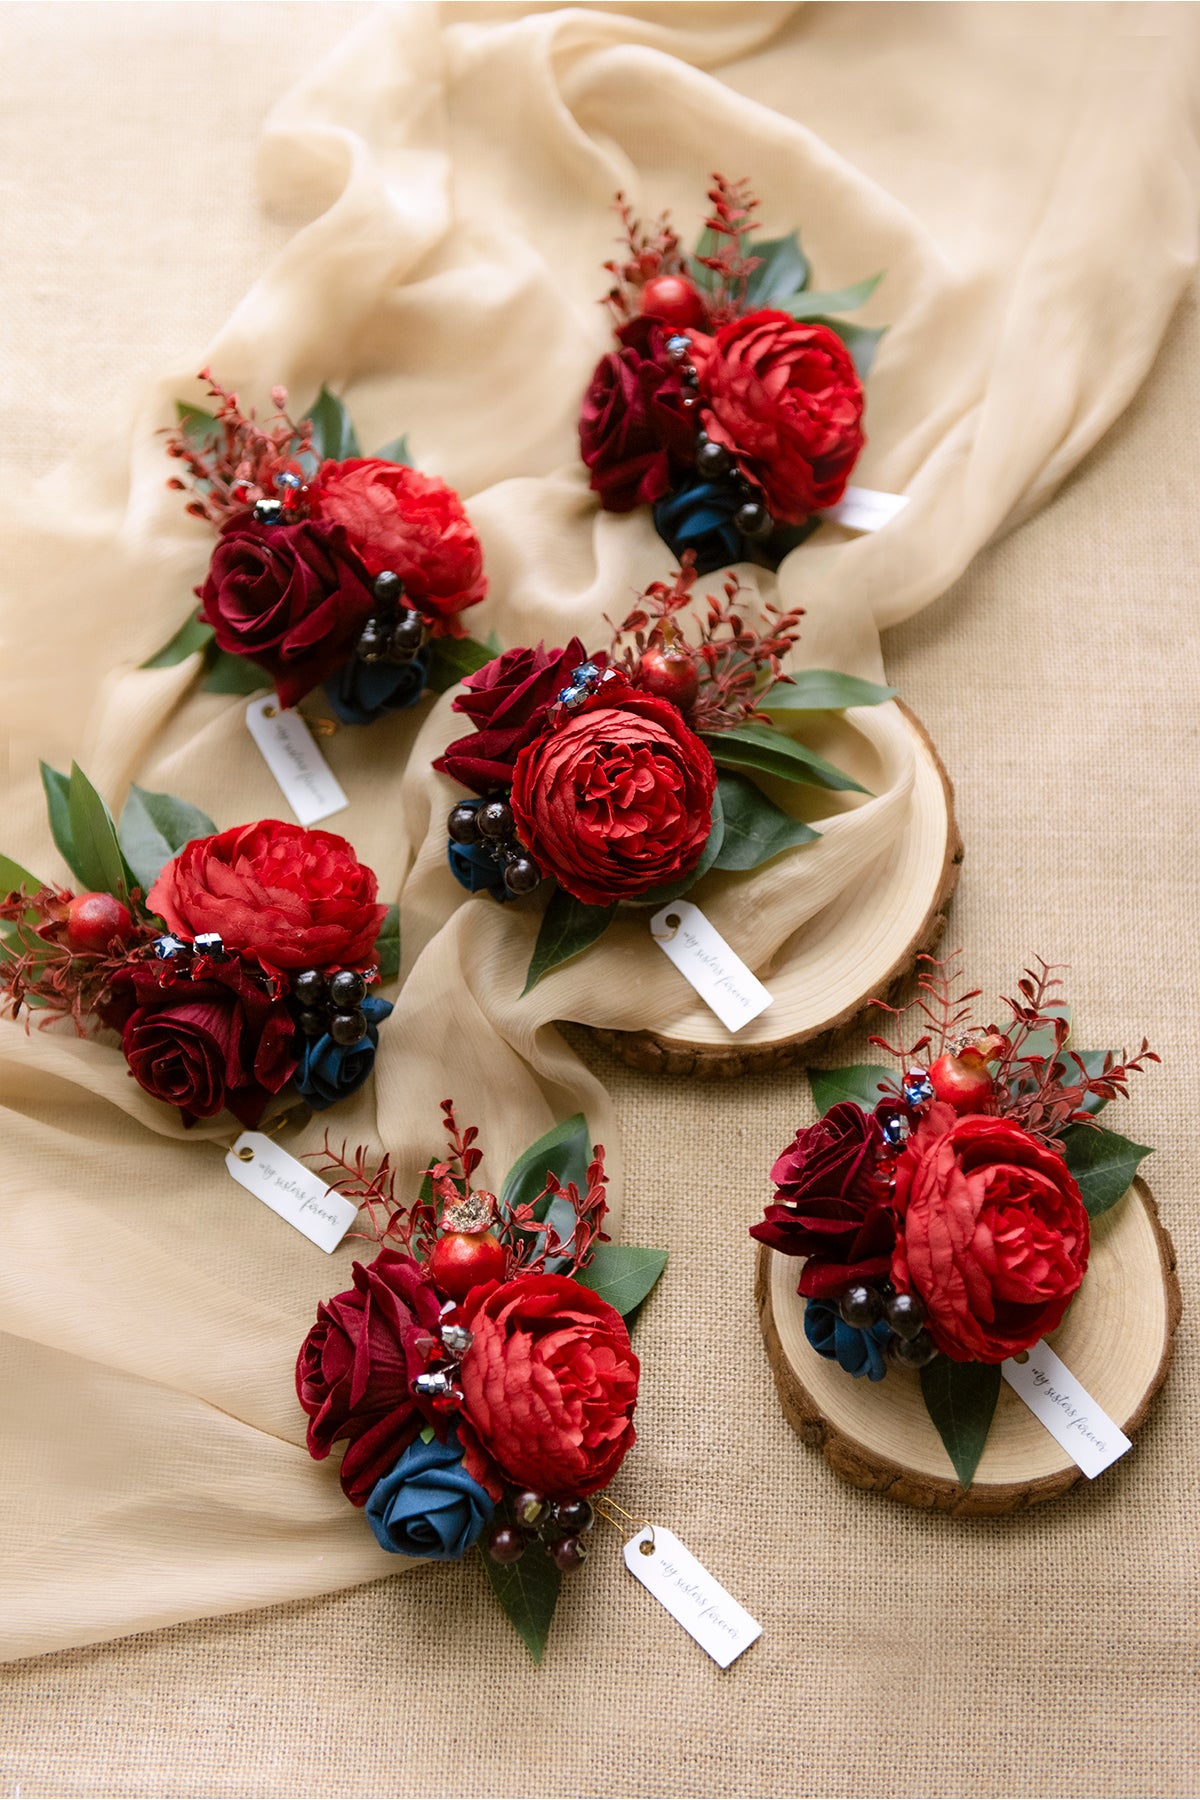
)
(670, 673)
(962, 1081)
(463, 1259)
(674, 300)
(94, 920)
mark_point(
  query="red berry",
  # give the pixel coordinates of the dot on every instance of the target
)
(504, 1545)
(962, 1082)
(671, 674)
(94, 920)
(463, 1259)
(568, 1554)
(673, 300)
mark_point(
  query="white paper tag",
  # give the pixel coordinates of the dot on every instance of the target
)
(700, 953)
(1066, 1409)
(290, 752)
(689, 1593)
(291, 1190)
(865, 509)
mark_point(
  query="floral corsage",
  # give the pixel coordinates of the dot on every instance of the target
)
(733, 403)
(330, 567)
(625, 775)
(231, 964)
(944, 1212)
(479, 1371)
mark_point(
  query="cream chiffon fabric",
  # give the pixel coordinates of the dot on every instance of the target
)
(1031, 194)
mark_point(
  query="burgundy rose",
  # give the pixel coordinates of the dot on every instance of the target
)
(293, 598)
(413, 524)
(356, 1367)
(201, 1045)
(635, 434)
(289, 897)
(827, 1207)
(616, 802)
(785, 400)
(507, 702)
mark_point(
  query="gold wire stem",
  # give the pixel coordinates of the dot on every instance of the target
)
(601, 1503)
(299, 1114)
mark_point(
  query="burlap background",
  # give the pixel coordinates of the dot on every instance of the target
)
(1054, 1653)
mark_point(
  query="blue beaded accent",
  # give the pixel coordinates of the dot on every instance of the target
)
(168, 948)
(287, 480)
(268, 512)
(894, 1127)
(210, 943)
(678, 345)
(917, 1087)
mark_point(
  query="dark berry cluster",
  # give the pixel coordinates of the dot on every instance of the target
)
(331, 1005)
(394, 633)
(559, 1524)
(488, 826)
(864, 1307)
(713, 461)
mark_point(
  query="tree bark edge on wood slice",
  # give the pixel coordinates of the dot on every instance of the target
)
(857, 1464)
(653, 1054)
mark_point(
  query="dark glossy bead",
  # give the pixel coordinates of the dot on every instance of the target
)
(529, 1508)
(860, 1306)
(347, 989)
(712, 460)
(495, 819)
(753, 520)
(208, 943)
(504, 1545)
(347, 1028)
(408, 633)
(905, 1315)
(372, 642)
(573, 1516)
(312, 1023)
(309, 987)
(268, 512)
(463, 824)
(389, 589)
(521, 875)
(912, 1353)
(569, 1554)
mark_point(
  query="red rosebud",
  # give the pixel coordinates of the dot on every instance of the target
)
(412, 524)
(507, 702)
(993, 1234)
(616, 802)
(635, 434)
(550, 1385)
(287, 897)
(827, 1207)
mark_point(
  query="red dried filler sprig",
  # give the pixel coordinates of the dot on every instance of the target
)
(239, 461)
(723, 251)
(41, 972)
(647, 251)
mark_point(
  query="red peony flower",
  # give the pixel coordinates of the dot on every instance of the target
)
(201, 1045)
(355, 1370)
(507, 702)
(993, 1234)
(827, 1207)
(290, 898)
(785, 400)
(410, 523)
(293, 598)
(635, 434)
(550, 1385)
(616, 802)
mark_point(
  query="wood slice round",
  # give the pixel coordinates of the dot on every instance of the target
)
(855, 950)
(1117, 1338)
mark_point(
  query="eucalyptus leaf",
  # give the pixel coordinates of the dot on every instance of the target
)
(708, 859)
(859, 1083)
(755, 829)
(814, 305)
(568, 926)
(99, 863)
(1103, 1163)
(234, 675)
(622, 1274)
(333, 434)
(154, 828)
(58, 812)
(387, 945)
(396, 451)
(769, 752)
(961, 1399)
(194, 634)
(566, 1149)
(13, 876)
(825, 690)
(862, 341)
(528, 1592)
(451, 660)
(781, 274)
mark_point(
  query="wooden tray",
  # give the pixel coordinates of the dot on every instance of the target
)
(1117, 1338)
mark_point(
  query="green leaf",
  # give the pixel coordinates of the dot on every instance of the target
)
(202, 429)
(755, 828)
(154, 828)
(771, 752)
(622, 1274)
(568, 926)
(99, 863)
(961, 1398)
(708, 859)
(566, 1148)
(528, 1592)
(192, 635)
(13, 876)
(396, 451)
(234, 675)
(57, 788)
(427, 1434)
(859, 1083)
(824, 690)
(451, 660)
(861, 341)
(1103, 1163)
(387, 945)
(781, 274)
(333, 433)
(814, 305)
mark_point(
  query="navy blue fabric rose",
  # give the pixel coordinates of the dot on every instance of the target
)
(478, 869)
(429, 1506)
(328, 1072)
(700, 518)
(361, 692)
(858, 1352)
